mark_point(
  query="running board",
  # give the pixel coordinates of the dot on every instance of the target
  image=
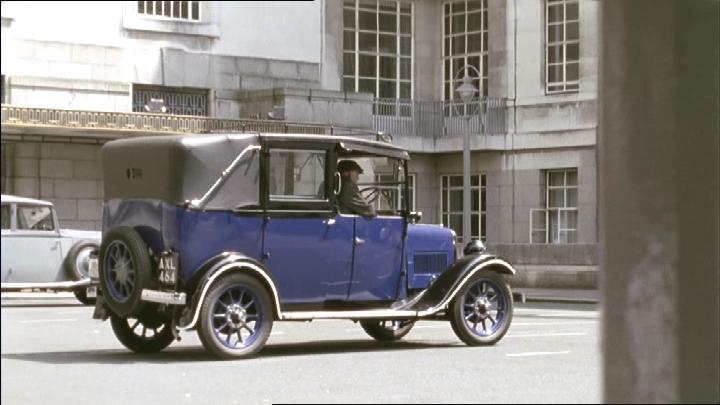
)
(59, 285)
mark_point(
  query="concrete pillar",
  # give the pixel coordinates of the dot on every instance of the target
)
(658, 174)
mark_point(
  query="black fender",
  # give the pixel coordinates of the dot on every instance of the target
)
(450, 281)
(218, 266)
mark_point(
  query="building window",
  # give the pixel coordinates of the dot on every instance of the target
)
(557, 221)
(177, 101)
(395, 193)
(176, 10)
(378, 48)
(451, 205)
(562, 46)
(465, 42)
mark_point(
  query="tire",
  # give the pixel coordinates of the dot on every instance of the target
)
(481, 312)
(149, 333)
(76, 261)
(125, 270)
(236, 317)
(81, 296)
(387, 330)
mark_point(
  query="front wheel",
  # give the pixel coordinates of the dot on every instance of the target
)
(387, 330)
(236, 317)
(481, 312)
(149, 333)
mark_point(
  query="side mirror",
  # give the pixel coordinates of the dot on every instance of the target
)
(415, 216)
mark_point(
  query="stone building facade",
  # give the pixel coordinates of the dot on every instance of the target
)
(76, 74)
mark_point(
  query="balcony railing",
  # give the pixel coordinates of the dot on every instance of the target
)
(435, 119)
(142, 122)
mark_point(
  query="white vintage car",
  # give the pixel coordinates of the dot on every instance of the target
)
(38, 255)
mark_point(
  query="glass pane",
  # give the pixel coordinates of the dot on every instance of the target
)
(367, 42)
(166, 8)
(572, 11)
(571, 178)
(388, 22)
(405, 68)
(474, 22)
(572, 72)
(367, 86)
(405, 90)
(34, 217)
(184, 13)
(444, 202)
(571, 31)
(384, 5)
(474, 180)
(538, 219)
(368, 4)
(348, 64)
(458, 24)
(176, 9)
(483, 200)
(405, 24)
(195, 10)
(388, 67)
(405, 8)
(474, 5)
(447, 50)
(485, 20)
(538, 237)
(456, 224)
(456, 181)
(349, 40)
(555, 13)
(555, 33)
(568, 219)
(5, 217)
(553, 228)
(555, 74)
(483, 180)
(388, 44)
(444, 181)
(483, 230)
(555, 54)
(297, 174)
(367, 20)
(387, 89)
(556, 178)
(367, 65)
(573, 52)
(557, 198)
(405, 46)
(458, 45)
(458, 7)
(572, 197)
(348, 84)
(349, 18)
(456, 200)
(447, 25)
(475, 43)
(475, 225)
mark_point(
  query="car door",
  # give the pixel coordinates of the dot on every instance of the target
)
(307, 247)
(32, 252)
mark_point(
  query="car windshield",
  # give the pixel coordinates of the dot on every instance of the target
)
(382, 183)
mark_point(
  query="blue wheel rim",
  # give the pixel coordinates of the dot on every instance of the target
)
(236, 317)
(120, 271)
(484, 308)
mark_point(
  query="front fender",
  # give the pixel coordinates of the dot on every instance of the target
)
(443, 290)
(227, 263)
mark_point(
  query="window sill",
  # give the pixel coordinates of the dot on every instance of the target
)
(192, 28)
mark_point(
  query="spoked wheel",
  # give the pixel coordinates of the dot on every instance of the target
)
(236, 317)
(124, 270)
(149, 333)
(481, 312)
(387, 330)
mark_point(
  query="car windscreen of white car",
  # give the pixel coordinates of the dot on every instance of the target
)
(36, 218)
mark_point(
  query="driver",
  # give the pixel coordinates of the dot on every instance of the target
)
(350, 201)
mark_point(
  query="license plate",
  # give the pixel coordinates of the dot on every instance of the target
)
(93, 271)
(91, 292)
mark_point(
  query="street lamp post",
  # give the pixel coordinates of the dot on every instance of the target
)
(467, 92)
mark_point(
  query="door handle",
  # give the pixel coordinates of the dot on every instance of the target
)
(329, 221)
(55, 245)
(359, 241)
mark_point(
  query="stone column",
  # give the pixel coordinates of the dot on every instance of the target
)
(658, 170)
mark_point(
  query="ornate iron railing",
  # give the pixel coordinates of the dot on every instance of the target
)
(145, 122)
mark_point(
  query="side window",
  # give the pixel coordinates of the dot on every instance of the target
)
(297, 175)
(6, 216)
(35, 217)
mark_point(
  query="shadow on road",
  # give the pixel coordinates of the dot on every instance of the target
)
(198, 354)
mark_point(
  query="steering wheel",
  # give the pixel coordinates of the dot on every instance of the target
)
(370, 194)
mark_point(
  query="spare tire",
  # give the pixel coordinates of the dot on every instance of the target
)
(125, 270)
(76, 261)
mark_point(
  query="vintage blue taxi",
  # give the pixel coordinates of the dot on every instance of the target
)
(228, 233)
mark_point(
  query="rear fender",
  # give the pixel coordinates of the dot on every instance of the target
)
(224, 264)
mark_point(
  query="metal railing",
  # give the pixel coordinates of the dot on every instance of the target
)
(145, 122)
(486, 116)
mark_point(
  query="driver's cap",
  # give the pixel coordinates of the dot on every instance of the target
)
(347, 165)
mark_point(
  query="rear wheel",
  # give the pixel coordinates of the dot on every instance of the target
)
(387, 330)
(481, 312)
(236, 317)
(148, 333)
(81, 296)
(77, 259)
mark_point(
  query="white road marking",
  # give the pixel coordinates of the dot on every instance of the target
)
(50, 320)
(535, 354)
(546, 334)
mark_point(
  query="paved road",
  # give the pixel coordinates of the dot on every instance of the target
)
(59, 355)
